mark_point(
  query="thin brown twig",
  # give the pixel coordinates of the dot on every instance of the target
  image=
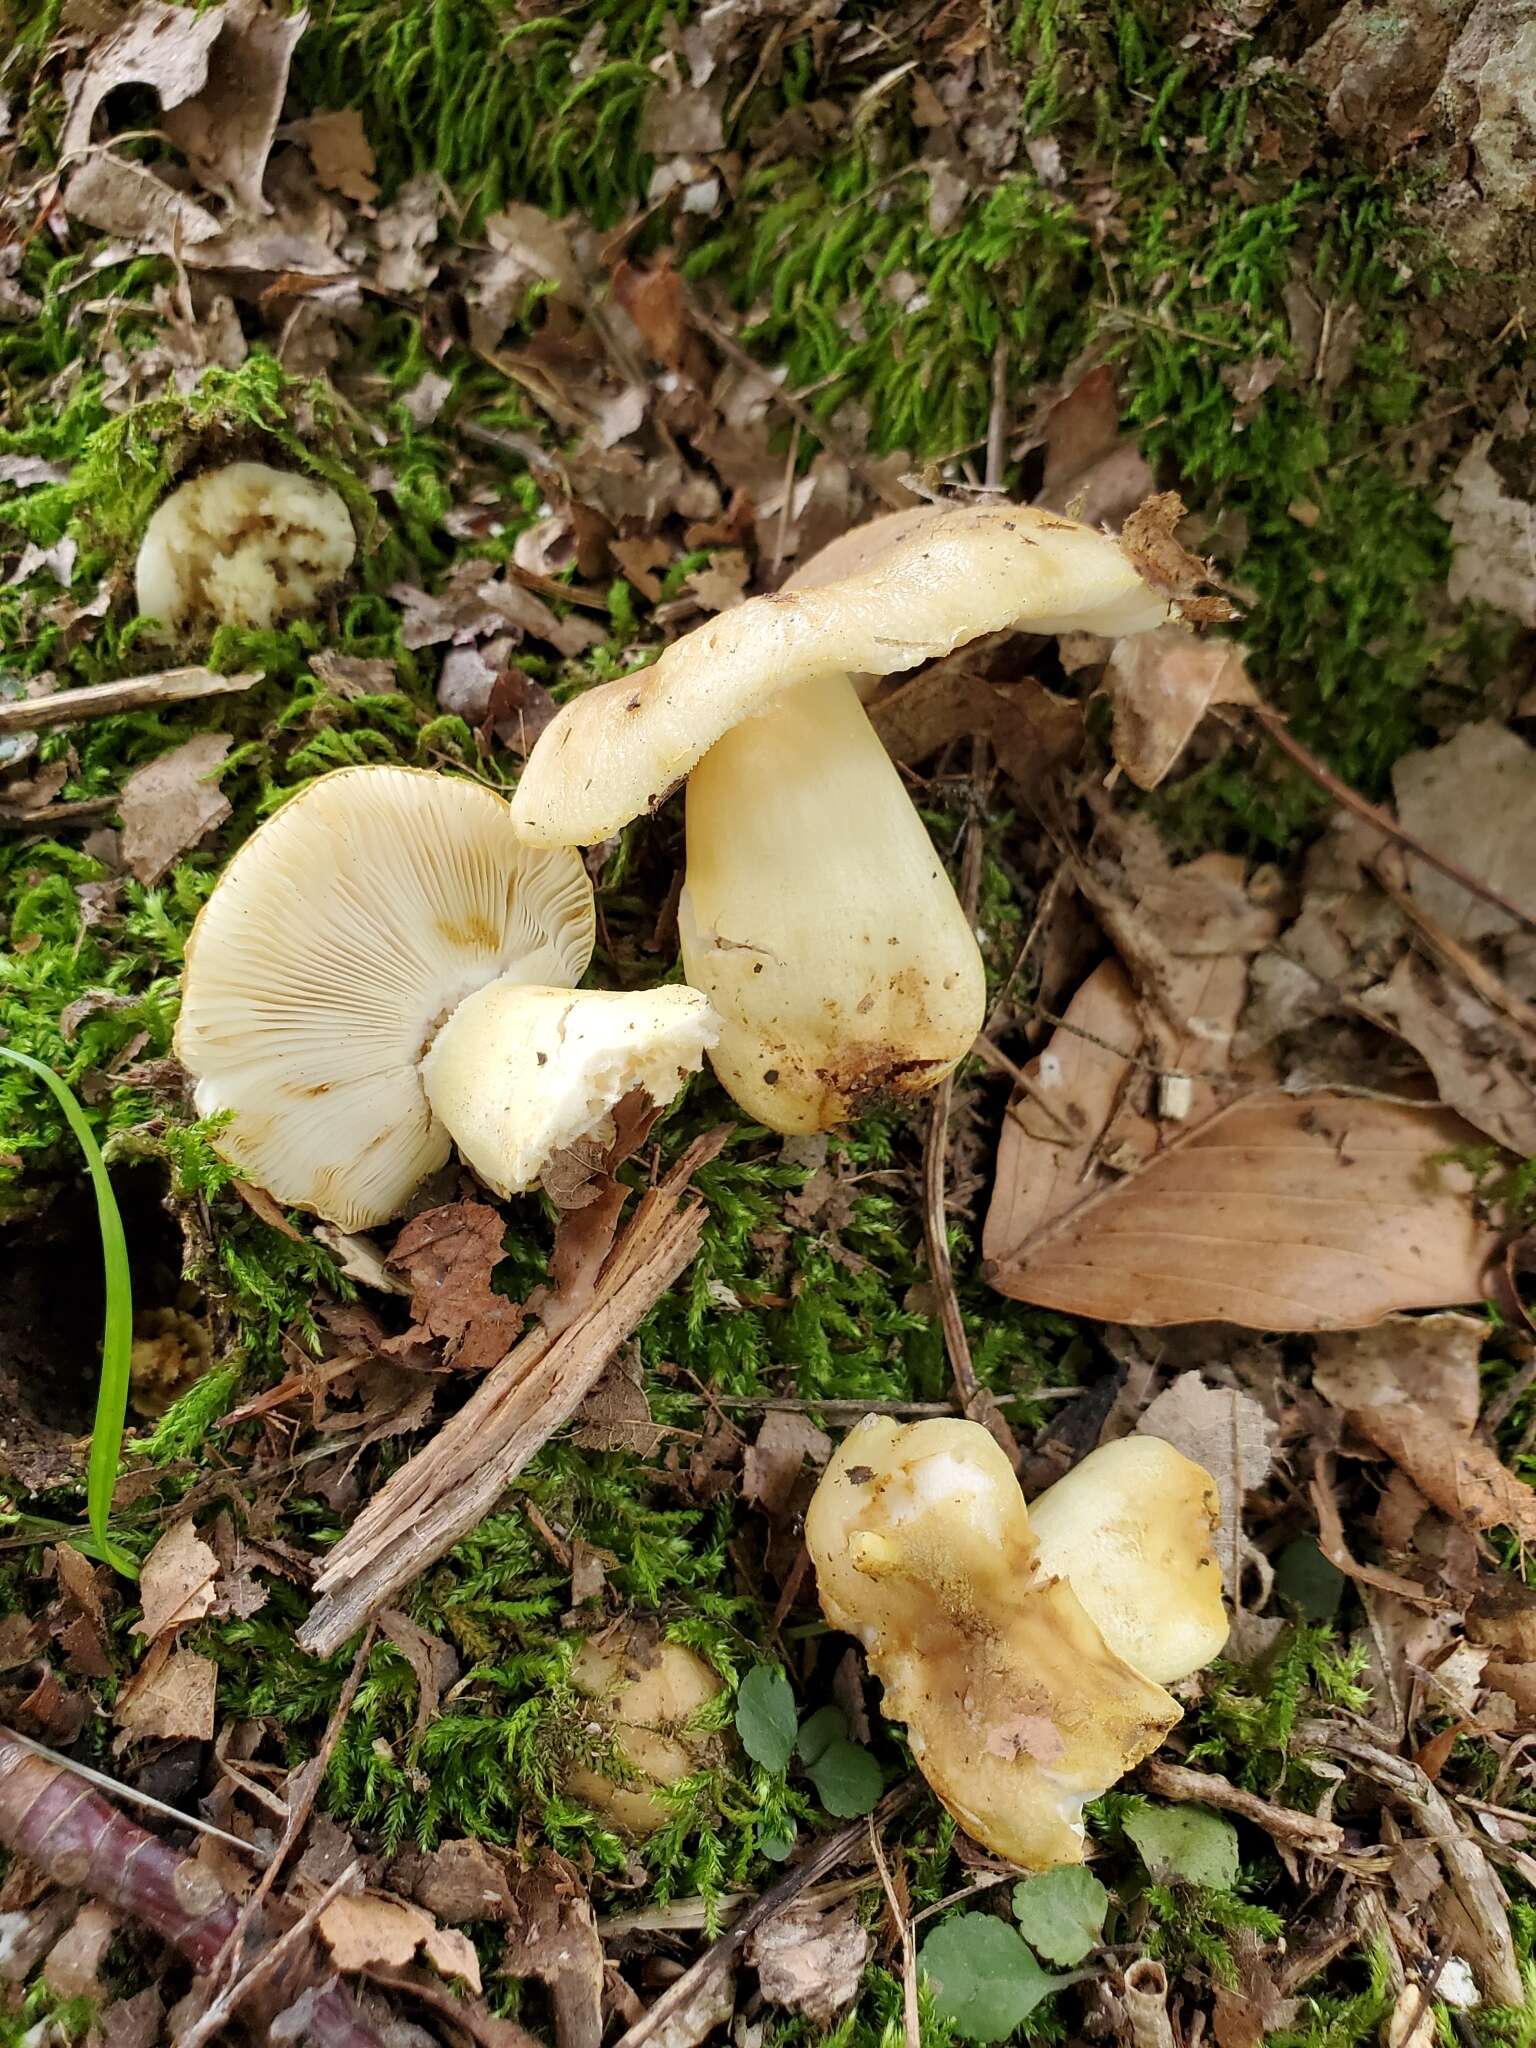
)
(721, 1953)
(1383, 821)
(903, 1923)
(306, 1791)
(224, 2006)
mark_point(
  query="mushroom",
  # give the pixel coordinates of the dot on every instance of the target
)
(1133, 1527)
(246, 545)
(171, 1352)
(1018, 1708)
(816, 914)
(386, 966)
(646, 1693)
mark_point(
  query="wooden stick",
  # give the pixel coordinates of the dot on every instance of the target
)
(106, 700)
(439, 1495)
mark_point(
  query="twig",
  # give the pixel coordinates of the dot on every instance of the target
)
(106, 700)
(15, 818)
(306, 1791)
(224, 2006)
(1373, 814)
(826, 1855)
(903, 1924)
(134, 1797)
(440, 1494)
(764, 1404)
(996, 1057)
(1295, 1830)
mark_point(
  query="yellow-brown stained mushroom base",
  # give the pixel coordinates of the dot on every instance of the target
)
(644, 1693)
(1017, 1710)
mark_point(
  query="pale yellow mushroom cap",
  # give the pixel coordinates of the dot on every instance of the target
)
(646, 1694)
(339, 940)
(1017, 1710)
(245, 545)
(1133, 1527)
(618, 749)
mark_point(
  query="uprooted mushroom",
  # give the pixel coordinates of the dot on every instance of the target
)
(246, 545)
(816, 915)
(386, 968)
(1025, 1651)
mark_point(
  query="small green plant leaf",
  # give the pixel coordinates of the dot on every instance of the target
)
(817, 1734)
(1185, 1845)
(848, 1781)
(117, 1328)
(776, 1847)
(985, 1981)
(765, 1717)
(1061, 1912)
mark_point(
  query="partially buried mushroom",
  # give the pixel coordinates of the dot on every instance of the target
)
(1022, 1688)
(646, 1696)
(246, 545)
(816, 915)
(384, 968)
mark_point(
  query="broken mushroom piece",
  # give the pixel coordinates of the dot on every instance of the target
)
(816, 915)
(1133, 1527)
(644, 1694)
(1017, 1708)
(336, 952)
(246, 545)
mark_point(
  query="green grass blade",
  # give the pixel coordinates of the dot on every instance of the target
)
(117, 1328)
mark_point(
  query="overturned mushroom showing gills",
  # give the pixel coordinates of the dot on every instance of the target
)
(246, 545)
(1017, 1708)
(337, 951)
(816, 914)
(644, 1696)
(1134, 1529)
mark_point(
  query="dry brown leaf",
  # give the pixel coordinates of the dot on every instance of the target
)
(171, 1695)
(1315, 1212)
(449, 1255)
(364, 1929)
(616, 1415)
(1493, 535)
(127, 200)
(810, 1959)
(1483, 1060)
(1030, 730)
(1163, 684)
(459, 1882)
(434, 1662)
(226, 128)
(1090, 467)
(771, 1466)
(355, 675)
(170, 803)
(166, 48)
(130, 2022)
(340, 151)
(1473, 799)
(73, 1965)
(721, 585)
(176, 1588)
(553, 1936)
(1411, 1387)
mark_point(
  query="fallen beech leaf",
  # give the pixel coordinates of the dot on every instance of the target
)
(226, 128)
(616, 1415)
(1411, 1387)
(171, 1695)
(162, 47)
(1473, 800)
(1031, 730)
(1482, 1059)
(1090, 467)
(460, 1881)
(449, 1254)
(1163, 684)
(127, 200)
(771, 1466)
(340, 151)
(1315, 1212)
(434, 1662)
(176, 1588)
(170, 803)
(364, 1929)
(1493, 536)
(811, 1959)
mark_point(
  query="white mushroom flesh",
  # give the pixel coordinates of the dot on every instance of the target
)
(518, 1073)
(1017, 1709)
(246, 545)
(1134, 1528)
(339, 940)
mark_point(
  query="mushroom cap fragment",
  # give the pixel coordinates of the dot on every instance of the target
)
(646, 1692)
(518, 1073)
(245, 545)
(1017, 1710)
(340, 938)
(1133, 1526)
(618, 749)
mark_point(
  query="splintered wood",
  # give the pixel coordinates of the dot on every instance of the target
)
(456, 1480)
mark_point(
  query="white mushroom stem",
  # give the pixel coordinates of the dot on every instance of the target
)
(819, 920)
(518, 1073)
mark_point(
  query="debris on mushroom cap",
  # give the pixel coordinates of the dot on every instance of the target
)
(645, 1693)
(1017, 1710)
(820, 921)
(517, 1073)
(246, 545)
(339, 940)
(965, 573)
(1133, 1527)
